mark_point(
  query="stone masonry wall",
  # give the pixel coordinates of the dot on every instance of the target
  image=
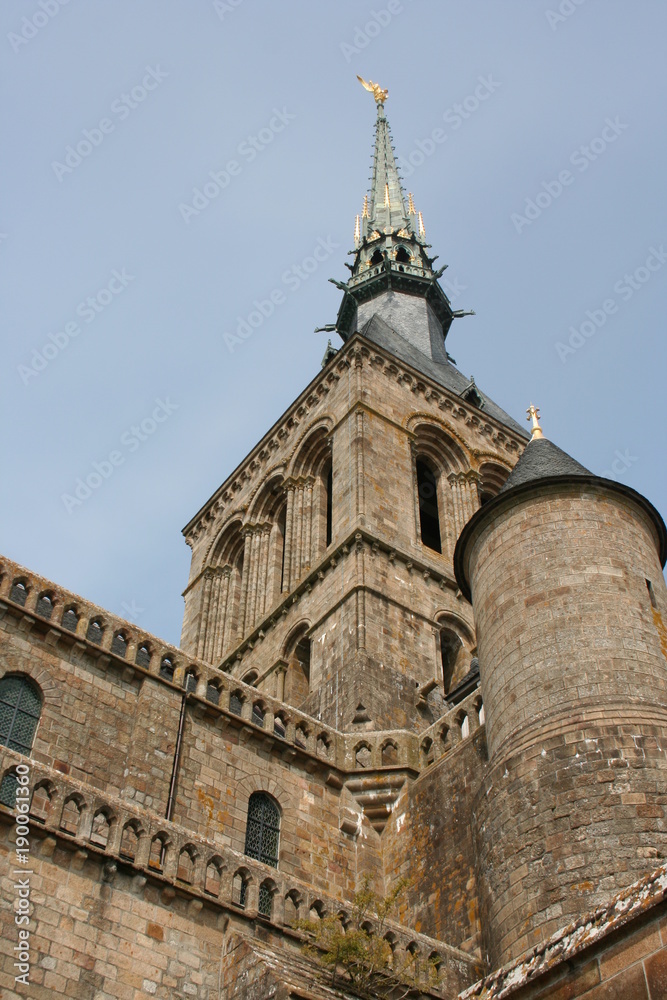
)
(433, 820)
(574, 679)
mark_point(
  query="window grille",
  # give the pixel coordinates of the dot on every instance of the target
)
(235, 704)
(263, 829)
(8, 787)
(20, 708)
(265, 900)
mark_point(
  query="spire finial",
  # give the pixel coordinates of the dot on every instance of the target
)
(376, 90)
(534, 416)
(411, 204)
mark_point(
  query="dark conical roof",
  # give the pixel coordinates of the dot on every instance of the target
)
(542, 458)
(544, 464)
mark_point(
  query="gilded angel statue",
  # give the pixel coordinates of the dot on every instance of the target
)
(376, 90)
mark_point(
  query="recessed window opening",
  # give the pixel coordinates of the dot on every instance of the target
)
(429, 521)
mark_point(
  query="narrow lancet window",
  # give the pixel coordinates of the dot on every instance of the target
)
(429, 521)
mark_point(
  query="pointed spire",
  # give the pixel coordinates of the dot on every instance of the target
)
(387, 209)
(392, 272)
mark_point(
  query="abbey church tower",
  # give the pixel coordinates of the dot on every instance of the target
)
(416, 645)
(322, 568)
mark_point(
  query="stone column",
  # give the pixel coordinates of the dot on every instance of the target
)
(224, 612)
(245, 581)
(289, 518)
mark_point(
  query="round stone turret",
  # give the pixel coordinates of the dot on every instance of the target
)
(564, 572)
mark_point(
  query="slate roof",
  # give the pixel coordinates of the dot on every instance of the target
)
(445, 374)
(542, 458)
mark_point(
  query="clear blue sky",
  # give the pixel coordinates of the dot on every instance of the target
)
(158, 94)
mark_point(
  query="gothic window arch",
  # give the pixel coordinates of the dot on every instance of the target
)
(310, 504)
(44, 607)
(454, 648)
(263, 829)
(20, 709)
(297, 653)
(19, 592)
(8, 786)
(492, 478)
(328, 478)
(429, 514)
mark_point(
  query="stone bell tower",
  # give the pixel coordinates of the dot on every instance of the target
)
(321, 568)
(564, 572)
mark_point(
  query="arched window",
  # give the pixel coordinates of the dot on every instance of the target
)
(213, 692)
(18, 593)
(265, 903)
(129, 842)
(451, 649)
(101, 828)
(213, 880)
(377, 257)
(429, 520)
(44, 606)
(143, 657)
(40, 804)
(403, 256)
(70, 817)
(157, 854)
(239, 888)
(186, 865)
(167, 669)
(95, 631)
(190, 680)
(329, 481)
(263, 830)
(70, 620)
(8, 787)
(119, 644)
(20, 708)
(297, 679)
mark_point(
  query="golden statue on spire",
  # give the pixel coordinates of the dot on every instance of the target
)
(534, 416)
(376, 90)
